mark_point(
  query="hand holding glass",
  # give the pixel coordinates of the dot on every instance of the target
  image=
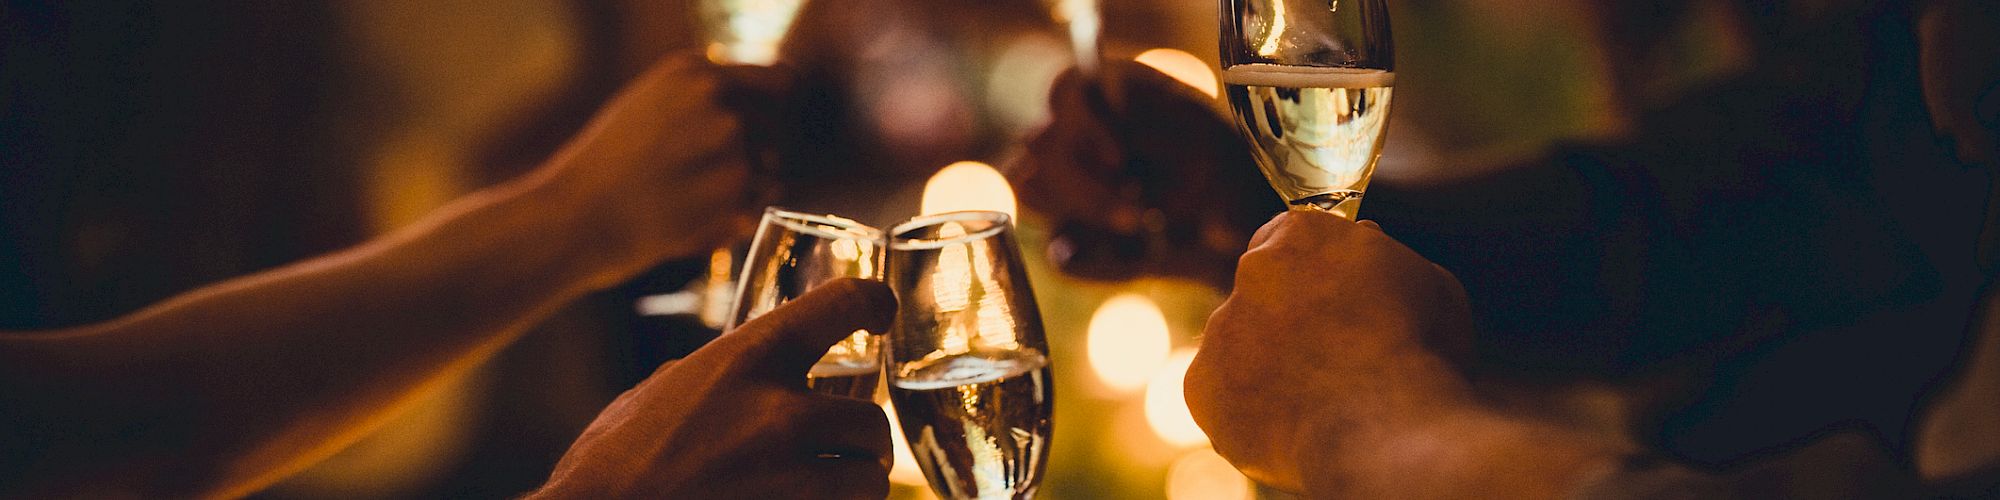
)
(794, 252)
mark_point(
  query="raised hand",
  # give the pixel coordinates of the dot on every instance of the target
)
(734, 419)
(1331, 325)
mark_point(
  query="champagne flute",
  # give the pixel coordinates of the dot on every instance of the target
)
(747, 32)
(968, 365)
(1083, 22)
(1309, 83)
(794, 252)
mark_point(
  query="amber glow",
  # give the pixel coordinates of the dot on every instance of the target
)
(1166, 408)
(904, 470)
(1204, 475)
(1276, 32)
(1183, 67)
(968, 185)
(1127, 342)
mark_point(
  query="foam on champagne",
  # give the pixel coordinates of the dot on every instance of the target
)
(1273, 75)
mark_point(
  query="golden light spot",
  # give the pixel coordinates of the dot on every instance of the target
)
(1166, 408)
(1127, 342)
(968, 185)
(1183, 67)
(1204, 475)
(905, 470)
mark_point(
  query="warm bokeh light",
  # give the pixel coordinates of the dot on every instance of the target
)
(747, 31)
(1204, 475)
(1018, 83)
(968, 185)
(1166, 408)
(905, 470)
(1085, 22)
(1128, 341)
(1184, 67)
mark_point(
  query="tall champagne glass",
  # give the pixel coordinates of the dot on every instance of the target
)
(968, 364)
(747, 31)
(1083, 22)
(794, 252)
(1309, 82)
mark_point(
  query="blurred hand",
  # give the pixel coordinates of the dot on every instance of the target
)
(665, 164)
(734, 419)
(1142, 176)
(1334, 335)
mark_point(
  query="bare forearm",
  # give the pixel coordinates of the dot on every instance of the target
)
(227, 386)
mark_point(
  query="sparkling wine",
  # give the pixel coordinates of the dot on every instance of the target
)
(1317, 131)
(978, 423)
(854, 379)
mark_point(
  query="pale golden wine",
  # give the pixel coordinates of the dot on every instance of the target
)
(1316, 131)
(977, 422)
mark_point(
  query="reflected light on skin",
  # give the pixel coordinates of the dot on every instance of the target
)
(1204, 475)
(1166, 408)
(968, 185)
(1183, 67)
(1127, 342)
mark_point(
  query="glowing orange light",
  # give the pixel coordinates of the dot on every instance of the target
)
(904, 470)
(1183, 67)
(1166, 408)
(1127, 342)
(968, 185)
(1204, 475)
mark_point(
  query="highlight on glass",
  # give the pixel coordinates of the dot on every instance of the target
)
(968, 364)
(1309, 82)
(791, 254)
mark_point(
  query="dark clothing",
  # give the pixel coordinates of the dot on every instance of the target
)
(1783, 253)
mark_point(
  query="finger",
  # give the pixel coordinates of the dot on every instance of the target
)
(785, 342)
(848, 428)
(1264, 231)
(1310, 225)
(1370, 224)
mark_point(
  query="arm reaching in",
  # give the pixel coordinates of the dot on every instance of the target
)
(734, 419)
(224, 389)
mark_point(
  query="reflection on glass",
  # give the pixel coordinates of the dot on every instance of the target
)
(794, 252)
(1309, 82)
(969, 373)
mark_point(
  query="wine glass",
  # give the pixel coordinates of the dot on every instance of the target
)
(968, 365)
(1309, 83)
(1083, 22)
(747, 32)
(794, 252)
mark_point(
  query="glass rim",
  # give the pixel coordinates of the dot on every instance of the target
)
(822, 225)
(1000, 221)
